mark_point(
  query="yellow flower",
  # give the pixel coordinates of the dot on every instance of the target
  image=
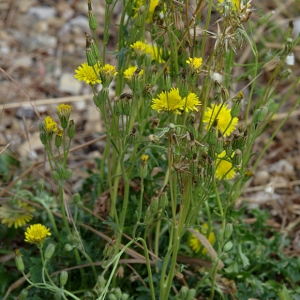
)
(225, 123)
(139, 48)
(144, 159)
(152, 6)
(196, 245)
(16, 215)
(50, 125)
(236, 5)
(108, 73)
(194, 64)
(168, 101)
(64, 111)
(36, 234)
(190, 102)
(87, 73)
(224, 169)
(155, 54)
(128, 73)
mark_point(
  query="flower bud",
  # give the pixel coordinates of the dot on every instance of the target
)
(112, 297)
(237, 158)
(143, 166)
(285, 74)
(58, 138)
(219, 145)
(56, 176)
(91, 60)
(92, 20)
(95, 49)
(219, 235)
(260, 114)
(183, 292)
(228, 246)
(163, 200)
(71, 129)
(76, 198)
(67, 174)
(228, 147)
(288, 47)
(68, 247)
(190, 295)
(43, 137)
(101, 282)
(228, 231)
(212, 136)
(57, 295)
(63, 278)
(118, 293)
(19, 263)
(49, 251)
(237, 104)
(23, 295)
(154, 205)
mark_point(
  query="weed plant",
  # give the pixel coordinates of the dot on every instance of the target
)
(158, 221)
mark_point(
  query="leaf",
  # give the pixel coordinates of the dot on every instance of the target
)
(36, 273)
(284, 294)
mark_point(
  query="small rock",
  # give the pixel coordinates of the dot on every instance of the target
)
(282, 166)
(261, 177)
(24, 5)
(80, 105)
(42, 12)
(80, 21)
(41, 27)
(39, 41)
(26, 112)
(69, 84)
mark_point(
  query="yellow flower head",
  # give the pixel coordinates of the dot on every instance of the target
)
(50, 125)
(108, 73)
(36, 234)
(155, 54)
(225, 123)
(16, 215)
(190, 102)
(139, 48)
(194, 64)
(152, 6)
(59, 132)
(64, 111)
(128, 73)
(144, 159)
(88, 74)
(224, 169)
(236, 5)
(196, 245)
(168, 101)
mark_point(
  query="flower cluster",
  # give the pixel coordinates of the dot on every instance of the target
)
(131, 71)
(195, 64)
(141, 49)
(152, 5)
(225, 169)
(172, 101)
(50, 126)
(16, 215)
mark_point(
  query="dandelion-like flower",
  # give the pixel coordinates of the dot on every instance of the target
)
(168, 101)
(155, 53)
(190, 102)
(236, 5)
(224, 168)
(225, 123)
(64, 111)
(16, 215)
(128, 73)
(139, 48)
(50, 126)
(194, 64)
(144, 159)
(108, 73)
(196, 245)
(36, 234)
(152, 6)
(88, 74)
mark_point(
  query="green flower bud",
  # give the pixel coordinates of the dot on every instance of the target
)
(219, 235)
(154, 205)
(219, 145)
(288, 47)
(23, 295)
(148, 216)
(190, 295)
(118, 293)
(168, 83)
(212, 136)
(163, 200)
(125, 297)
(228, 246)
(237, 158)
(92, 20)
(19, 263)
(68, 247)
(97, 101)
(183, 292)
(148, 60)
(112, 297)
(67, 174)
(285, 74)
(95, 49)
(228, 147)
(260, 114)
(71, 129)
(235, 110)
(228, 231)
(126, 108)
(43, 137)
(101, 282)
(103, 95)
(235, 141)
(57, 296)
(49, 251)
(56, 176)
(90, 58)
(63, 278)
(76, 198)
(58, 138)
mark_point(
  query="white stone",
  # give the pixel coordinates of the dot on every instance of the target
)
(69, 84)
(42, 12)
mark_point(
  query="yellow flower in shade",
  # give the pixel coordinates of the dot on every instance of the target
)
(196, 245)
(144, 159)
(225, 123)
(139, 48)
(168, 101)
(190, 102)
(50, 125)
(128, 73)
(194, 64)
(236, 5)
(16, 215)
(88, 74)
(36, 234)
(108, 73)
(224, 168)
(64, 111)
(155, 54)
(152, 6)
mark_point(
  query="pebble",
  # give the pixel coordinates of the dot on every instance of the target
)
(261, 177)
(26, 112)
(42, 12)
(69, 84)
(39, 41)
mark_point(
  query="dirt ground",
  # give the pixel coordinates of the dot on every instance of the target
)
(43, 42)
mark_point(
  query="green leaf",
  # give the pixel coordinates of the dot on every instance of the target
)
(36, 273)
(284, 294)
